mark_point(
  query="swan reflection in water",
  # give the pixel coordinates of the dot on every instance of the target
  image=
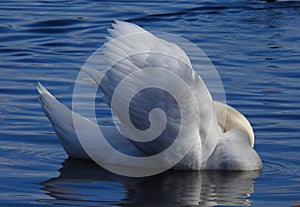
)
(85, 183)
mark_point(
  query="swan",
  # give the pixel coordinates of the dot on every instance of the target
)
(222, 138)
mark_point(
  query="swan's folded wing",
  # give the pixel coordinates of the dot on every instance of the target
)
(131, 48)
(136, 59)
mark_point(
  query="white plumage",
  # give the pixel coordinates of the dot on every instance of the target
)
(227, 143)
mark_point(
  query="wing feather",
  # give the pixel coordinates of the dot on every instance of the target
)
(132, 49)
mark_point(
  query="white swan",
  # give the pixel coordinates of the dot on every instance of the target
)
(228, 136)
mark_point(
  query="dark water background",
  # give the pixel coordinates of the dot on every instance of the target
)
(254, 45)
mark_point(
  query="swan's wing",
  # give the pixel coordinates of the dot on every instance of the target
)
(133, 55)
(131, 48)
(62, 120)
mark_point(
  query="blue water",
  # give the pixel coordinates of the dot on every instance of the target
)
(255, 47)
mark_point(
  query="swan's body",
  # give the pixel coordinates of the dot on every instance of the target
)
(229, 136)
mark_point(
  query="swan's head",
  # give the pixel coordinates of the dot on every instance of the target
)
(229, 118)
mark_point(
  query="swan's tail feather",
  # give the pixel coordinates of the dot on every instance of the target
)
(61, 119)
(42, 90)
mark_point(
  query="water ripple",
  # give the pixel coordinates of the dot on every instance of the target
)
(253, 44)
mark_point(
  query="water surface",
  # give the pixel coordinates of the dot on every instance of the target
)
(254, 45)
